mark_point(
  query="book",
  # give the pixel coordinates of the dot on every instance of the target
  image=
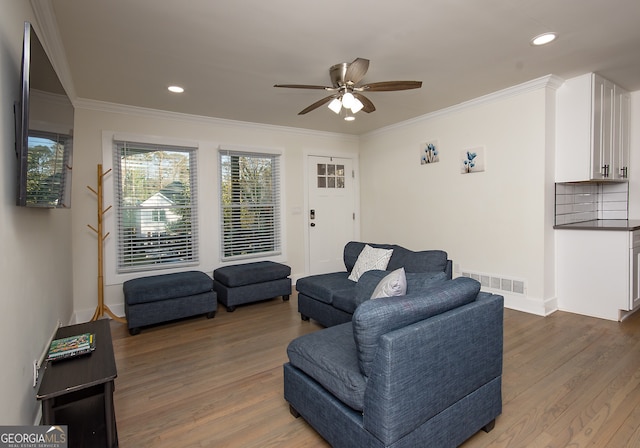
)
(68, 347)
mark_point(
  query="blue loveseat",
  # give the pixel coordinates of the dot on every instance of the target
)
(330, 299)
(420, 370)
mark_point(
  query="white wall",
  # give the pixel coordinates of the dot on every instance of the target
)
(35, 267)
(497, 222)
(95, 119)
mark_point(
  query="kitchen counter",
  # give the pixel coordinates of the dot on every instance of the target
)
(628, 225)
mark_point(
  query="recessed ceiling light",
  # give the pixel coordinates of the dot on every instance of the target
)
(175, 89)
(544, 39)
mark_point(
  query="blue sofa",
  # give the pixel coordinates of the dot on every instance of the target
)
(420, 370)
(330, 299)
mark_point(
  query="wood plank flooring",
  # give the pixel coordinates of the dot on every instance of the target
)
(569, 381)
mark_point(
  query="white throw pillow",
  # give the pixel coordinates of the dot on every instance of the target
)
(370, 258)
(394, 284)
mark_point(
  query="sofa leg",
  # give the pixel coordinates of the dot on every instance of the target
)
(293, 411)
(211, 314)
(134, 331)
(489, 426)
(303, 317)
(231, 309)
(285, 298)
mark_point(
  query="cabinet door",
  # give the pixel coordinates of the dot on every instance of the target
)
(573, 130)
(602, 128)
(593, 272)
(620, 168)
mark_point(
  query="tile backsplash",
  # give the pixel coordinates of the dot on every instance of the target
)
(586, 201)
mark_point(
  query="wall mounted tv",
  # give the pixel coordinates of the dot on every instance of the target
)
(44, 130)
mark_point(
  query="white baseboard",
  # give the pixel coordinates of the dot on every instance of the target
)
(86, 315)
(528, 305)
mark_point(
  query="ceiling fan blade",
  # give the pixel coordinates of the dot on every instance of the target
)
(368, 105)
(317, 104)
(356, 70)
(388, 86)
(302, 86)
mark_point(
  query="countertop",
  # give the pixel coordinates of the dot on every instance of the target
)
(628, 225)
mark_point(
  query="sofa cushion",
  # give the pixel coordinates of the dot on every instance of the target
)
(367, 284)
(353, 248)
(348, 300)
(323, 287)
(329, 357)
(392, 285)
(422, 261)
(374, 318)
(370, 258)
(417, 281)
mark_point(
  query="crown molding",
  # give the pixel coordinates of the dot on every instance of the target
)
(545, 82)
(103, 106)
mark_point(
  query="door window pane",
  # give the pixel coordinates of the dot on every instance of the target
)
(330, 175)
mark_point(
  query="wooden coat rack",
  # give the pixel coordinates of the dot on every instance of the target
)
(102, 308)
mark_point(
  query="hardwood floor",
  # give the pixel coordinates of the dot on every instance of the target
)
(569, 381)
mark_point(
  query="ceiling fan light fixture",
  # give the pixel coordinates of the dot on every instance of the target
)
(335, 105)
(346, 93)
(348, 100)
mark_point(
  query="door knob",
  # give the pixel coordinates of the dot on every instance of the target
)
(313, 224)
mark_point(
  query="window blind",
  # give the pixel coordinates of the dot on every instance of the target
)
(249, 204)
(156, 206)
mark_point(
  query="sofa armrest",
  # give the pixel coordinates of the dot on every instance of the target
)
(422, 369)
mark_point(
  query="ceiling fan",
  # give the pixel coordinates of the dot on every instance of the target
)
(346, 93)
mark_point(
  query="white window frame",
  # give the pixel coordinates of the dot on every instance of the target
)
(160, 247)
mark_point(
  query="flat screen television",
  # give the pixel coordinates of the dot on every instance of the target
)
(44, 130)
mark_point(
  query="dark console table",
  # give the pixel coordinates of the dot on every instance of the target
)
(78, 392)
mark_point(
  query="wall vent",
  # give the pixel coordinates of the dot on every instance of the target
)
(497, 283)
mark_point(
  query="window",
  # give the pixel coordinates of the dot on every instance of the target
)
(155, 191)
(249, 204)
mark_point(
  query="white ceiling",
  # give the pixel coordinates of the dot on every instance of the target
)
(228, 54)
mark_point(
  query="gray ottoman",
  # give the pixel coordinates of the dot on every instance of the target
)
(162, 298)
(251, 282)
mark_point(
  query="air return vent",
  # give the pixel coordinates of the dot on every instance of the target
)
(497, 283)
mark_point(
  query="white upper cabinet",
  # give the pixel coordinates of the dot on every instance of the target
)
(592, 130)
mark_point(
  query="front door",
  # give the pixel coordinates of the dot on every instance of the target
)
(331, 213)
